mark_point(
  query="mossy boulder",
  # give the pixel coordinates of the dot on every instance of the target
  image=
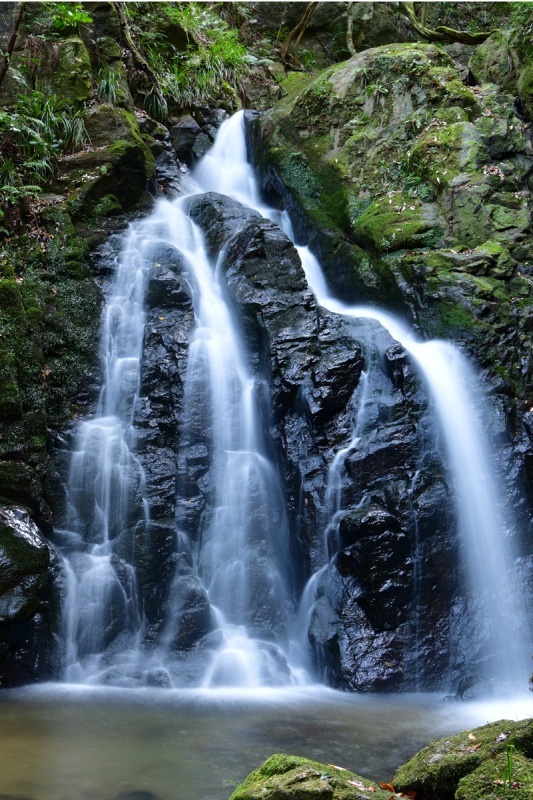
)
(505, 58)
(65, 70)
(468, 764)
(114, 174)
(386, 130)
(284, 777)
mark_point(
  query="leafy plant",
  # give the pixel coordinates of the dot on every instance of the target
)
(508, 774)
(107, 86)
(215, 58)
(68, 15)
(32, 137)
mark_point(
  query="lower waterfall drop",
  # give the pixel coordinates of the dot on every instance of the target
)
(240, 547)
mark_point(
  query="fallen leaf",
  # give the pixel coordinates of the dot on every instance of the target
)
(387, 786)
(475, 747)
(471, 737)
(361, 786)
(499, 782)
(336, 767)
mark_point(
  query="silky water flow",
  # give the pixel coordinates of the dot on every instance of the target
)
(103, 619)
(460, 411)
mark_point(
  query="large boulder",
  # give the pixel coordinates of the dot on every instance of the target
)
(472, 764)
(284, 777)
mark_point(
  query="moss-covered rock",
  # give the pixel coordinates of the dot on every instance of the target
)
(284, 777)
(468, 764)
(397, 222)
(365, 148)
(505, 58)
(50, 312)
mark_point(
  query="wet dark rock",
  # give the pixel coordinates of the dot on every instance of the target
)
(161, 679)
(369, 602)
(219, 217)
(189, 140)
(30, 597)
(136, 794)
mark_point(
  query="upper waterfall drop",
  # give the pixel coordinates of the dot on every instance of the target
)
(459, 409)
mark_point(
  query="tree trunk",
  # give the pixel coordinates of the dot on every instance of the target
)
(11, 43)
(298, 31)
(138, 59)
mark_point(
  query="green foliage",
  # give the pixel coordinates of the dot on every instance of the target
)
(479, 16)
(107, 86)
(32, 137)
(214, 58)
(68, 15)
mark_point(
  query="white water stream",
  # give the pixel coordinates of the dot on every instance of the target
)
(460, 410)
(103, 605)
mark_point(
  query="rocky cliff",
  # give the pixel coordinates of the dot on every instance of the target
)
(407, 169)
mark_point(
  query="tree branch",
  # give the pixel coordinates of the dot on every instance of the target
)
(299, 31)
(138, 59)
(441, 33)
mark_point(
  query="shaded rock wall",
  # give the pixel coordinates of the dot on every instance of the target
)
(31, 587)
(414, 191)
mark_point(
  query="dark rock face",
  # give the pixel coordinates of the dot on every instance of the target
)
(30, 592)
(455, 259)
(325, 376)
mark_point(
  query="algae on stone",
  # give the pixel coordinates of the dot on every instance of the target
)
(284, 777)
(439, 771)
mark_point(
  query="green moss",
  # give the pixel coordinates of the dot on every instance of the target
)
(485, 783)
(68, 72)
(455, 318)
(394, 223)
(435, 156)
(107, 206)
(436, 771)
(295, 778)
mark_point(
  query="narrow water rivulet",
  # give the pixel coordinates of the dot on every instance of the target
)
(236, 559)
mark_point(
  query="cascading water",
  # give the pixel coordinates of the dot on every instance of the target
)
(241, 543)
(106, 482)
(240, 546)
(459, 409)
(244, 518)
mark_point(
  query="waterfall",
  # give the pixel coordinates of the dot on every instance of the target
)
(236, 556)
(240, 547)
(459, 408)
(106, 482)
